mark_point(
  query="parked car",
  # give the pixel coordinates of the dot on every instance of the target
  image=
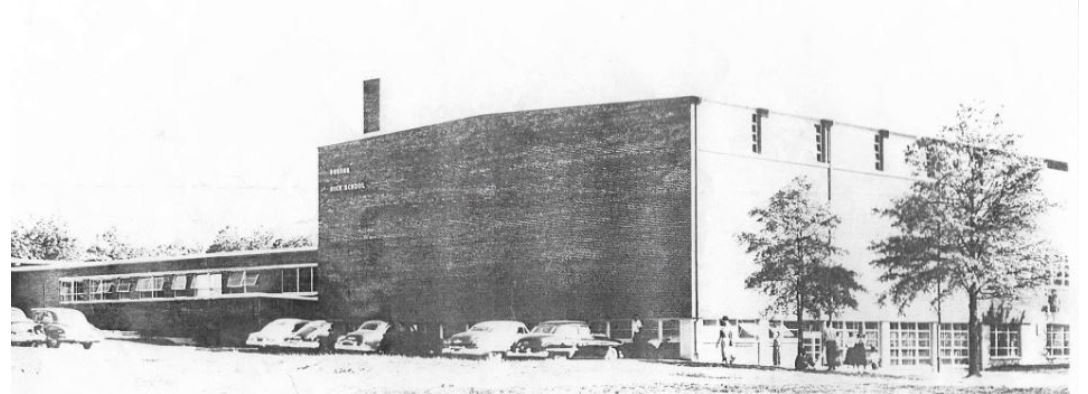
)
(288, 333)
(366, 338)
(63, 325)
(564, 339)
(489, 339)
(410, 340)
(25, 332)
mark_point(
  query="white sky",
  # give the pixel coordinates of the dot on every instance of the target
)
(172, 119)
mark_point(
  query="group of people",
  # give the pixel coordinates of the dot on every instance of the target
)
(857, 356)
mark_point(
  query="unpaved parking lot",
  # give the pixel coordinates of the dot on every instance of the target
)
(128, 367)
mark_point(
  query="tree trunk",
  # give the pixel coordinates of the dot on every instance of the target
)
(974, 335)
(800, 362)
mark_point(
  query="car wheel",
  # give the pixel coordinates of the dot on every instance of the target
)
(611, 354)
(87, 345)
(52, 343)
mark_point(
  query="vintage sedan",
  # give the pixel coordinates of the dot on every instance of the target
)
(365, 339)
(561, 339)
(25, 332)
(63, 325)
(288, 333)
(489, 339)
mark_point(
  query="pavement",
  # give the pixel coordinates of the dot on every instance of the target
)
(116, 366)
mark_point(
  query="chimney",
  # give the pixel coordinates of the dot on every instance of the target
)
(371, 105)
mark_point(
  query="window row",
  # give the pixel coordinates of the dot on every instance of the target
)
(190, 284)
(823, 134)
(651, 328)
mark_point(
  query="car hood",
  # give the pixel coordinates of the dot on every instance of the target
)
(23, 325)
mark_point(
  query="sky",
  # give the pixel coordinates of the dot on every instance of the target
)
(169, 120)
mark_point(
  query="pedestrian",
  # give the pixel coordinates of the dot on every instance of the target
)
(637, 344)
(776, 351)
(726, 337)
(831, 346)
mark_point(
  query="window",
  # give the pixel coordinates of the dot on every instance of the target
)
(621, 329)
(306, 280)
(251, 279)
(598, 327)
(670, 329)
(1057, 340)
(178, 283)
(1060, 273)
(878, 148)
(823, 133)
(158, 283)
(909, 343)
(847, 333)
(650, 329)
(813, 343)
(289, 280)
(235, 279)
(124, 286)
(952, 342)
(757, 130)
(143, 284)
(1005, 340)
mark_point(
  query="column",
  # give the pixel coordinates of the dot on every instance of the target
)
(885, 343)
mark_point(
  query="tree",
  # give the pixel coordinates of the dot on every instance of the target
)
(110, 246)
(230, 239)
(793, 249)
(969, 226)
(46, 239)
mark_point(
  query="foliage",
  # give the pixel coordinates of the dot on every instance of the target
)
(230, 239)
(46, 239)
(110, 246)
(969, 226)
(793, 249)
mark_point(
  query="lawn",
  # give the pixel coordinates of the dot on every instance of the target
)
(124, 367)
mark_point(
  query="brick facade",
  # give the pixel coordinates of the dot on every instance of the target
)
(580, 212)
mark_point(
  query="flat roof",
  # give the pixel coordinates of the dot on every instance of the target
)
(23, 265)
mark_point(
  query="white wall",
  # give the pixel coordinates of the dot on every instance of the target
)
(731, 180)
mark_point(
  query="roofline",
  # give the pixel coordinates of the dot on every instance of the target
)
(692, 99)
(45, 265)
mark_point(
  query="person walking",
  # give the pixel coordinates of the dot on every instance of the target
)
(726, 336)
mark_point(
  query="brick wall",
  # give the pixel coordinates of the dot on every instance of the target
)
(580, 212)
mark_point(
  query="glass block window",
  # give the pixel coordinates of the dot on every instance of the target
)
(847, 333)
(910, 344)
(953, 344)
(1005, 340)
(1057, 340)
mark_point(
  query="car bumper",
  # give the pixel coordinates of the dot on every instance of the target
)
(547, 353)
(455, 351)
(27, 338)
(354, 347)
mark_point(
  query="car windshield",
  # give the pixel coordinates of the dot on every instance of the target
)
(282, 326)
(491, 327)
(310, 327)
(18, 315)
(370, 325)
(547, 328)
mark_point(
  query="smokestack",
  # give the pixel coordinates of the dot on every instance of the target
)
(371, 105)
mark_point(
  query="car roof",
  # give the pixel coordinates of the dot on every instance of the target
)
(510, 322)
(564, 322)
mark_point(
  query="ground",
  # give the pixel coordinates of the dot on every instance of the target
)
(129, 367)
